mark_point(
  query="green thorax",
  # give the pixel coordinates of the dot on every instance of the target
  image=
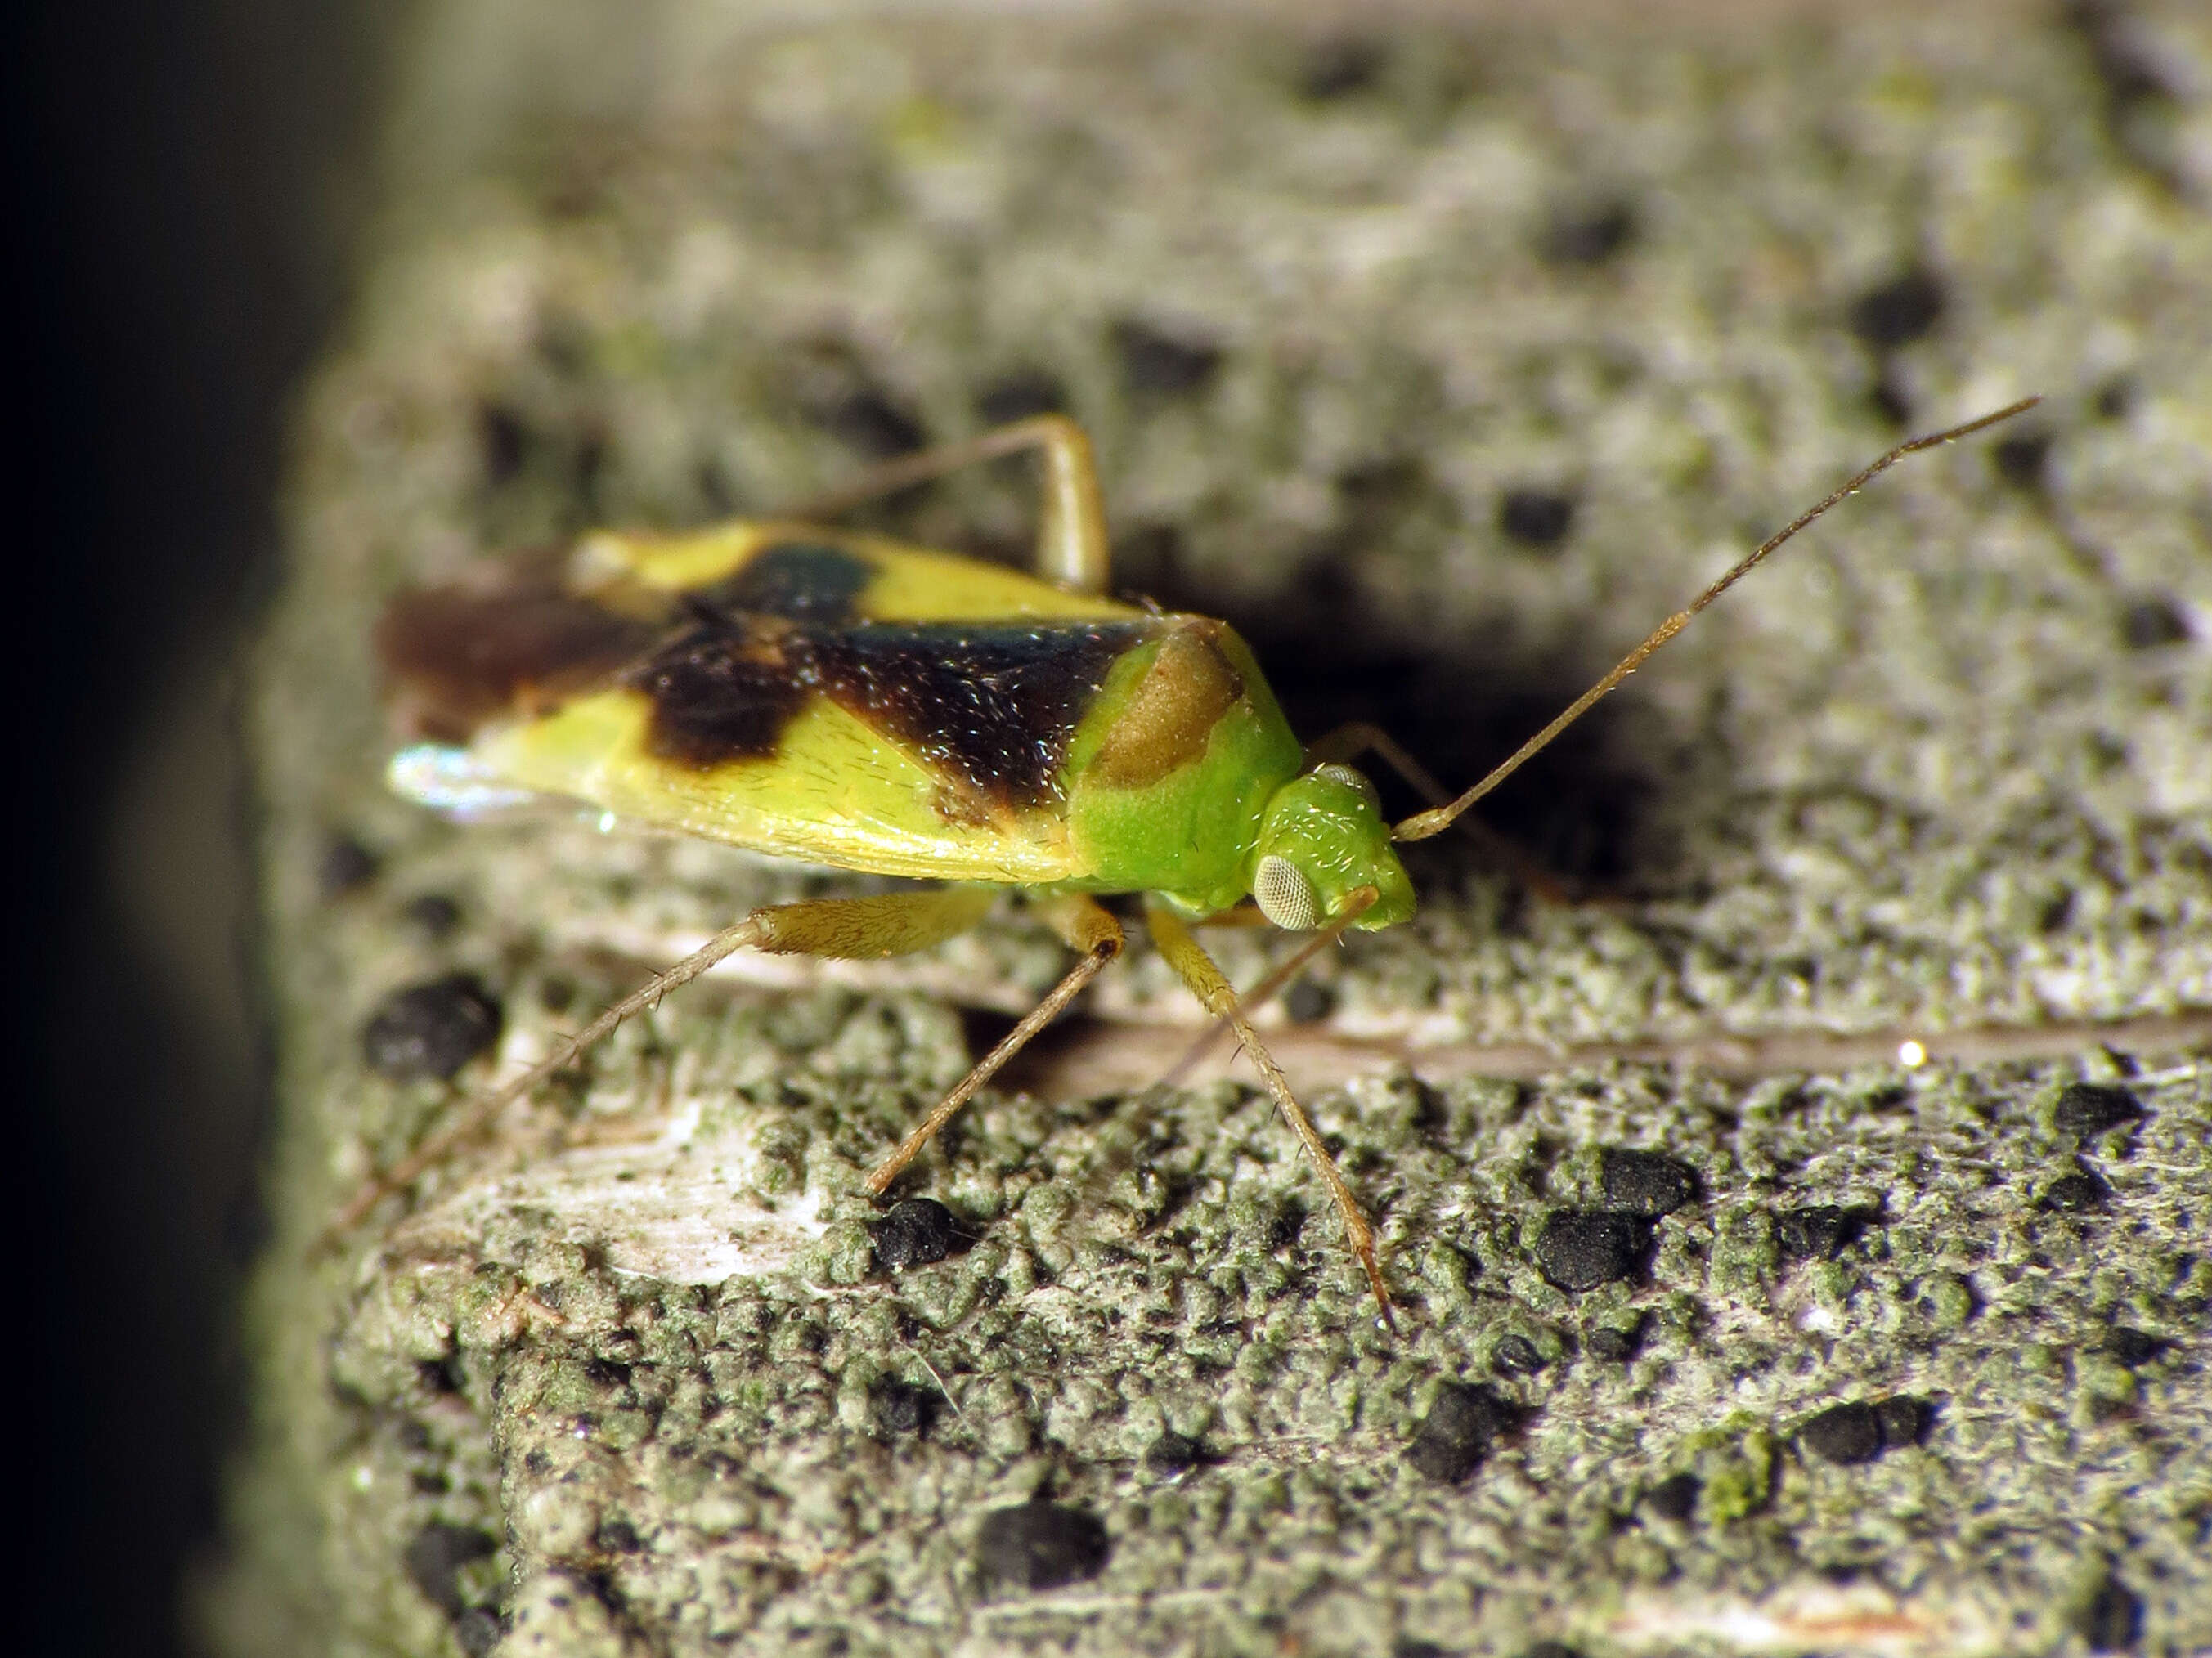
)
(1183, 779)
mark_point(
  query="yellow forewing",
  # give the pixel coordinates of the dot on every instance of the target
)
(835, 792)
(910, 584)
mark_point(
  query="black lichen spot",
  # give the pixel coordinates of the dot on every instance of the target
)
(502, 442)
(1516, 1355)
(607, 1372)
(1038, 1545)
(2143, 92)
(2020, 458)
(2151, 623)
(901, 1408)
(1456, 1434)
(721, 693)
(1614, 1343)
(800, 581)
(2085, 1110)
(434, 1557)
(1816, 1231)
(477, 1631)
(1308, 1001)
(1844, 1434)
(618, 1537)
(1155, 362)
(1900, 311)
(1535, 517)
(433, 914)
(1587, 234)
(1286, 1224)
(1579, 1250)
(1172, 1454)
(430, 1029)
(1903, 1419)
(446, 1376)
(1645, 1182)
(1406, 1647)
(2112, 1619)
(1341, 66)
(915, 1233)
(1890, 401)
(1553, 1649)
(1674, 1497)
(1018, 396)
(2114, 397)
(2131, 1347)
(866, 419)
(993, 706)
(346, 867)
(2074, 1193)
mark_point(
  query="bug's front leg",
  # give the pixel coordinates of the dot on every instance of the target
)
(1072, 550)
(852, 929)
(1211, 985)
(1091, 929)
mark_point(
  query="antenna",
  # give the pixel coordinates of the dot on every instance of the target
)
(1422, 824)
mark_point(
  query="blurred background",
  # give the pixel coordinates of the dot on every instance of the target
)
(189, 175)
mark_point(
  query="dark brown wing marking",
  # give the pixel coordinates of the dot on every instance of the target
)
(456, 657)
(723, 691)
(991, 706)
(803, 581)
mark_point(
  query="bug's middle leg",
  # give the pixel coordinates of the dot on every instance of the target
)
(1211, 985)
(1072, 549)
(1091, 929)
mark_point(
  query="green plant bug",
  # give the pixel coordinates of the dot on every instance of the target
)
(816, 692)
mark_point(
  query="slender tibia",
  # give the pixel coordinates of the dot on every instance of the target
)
(1087, 926)
(1071, 548)
(893, 924)
(1212, 987)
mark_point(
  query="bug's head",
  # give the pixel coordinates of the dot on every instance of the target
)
(1321, 841)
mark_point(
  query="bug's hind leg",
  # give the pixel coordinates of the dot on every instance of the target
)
(1072, 550)
(1091, 929)
(891, 924)
(1211, 985)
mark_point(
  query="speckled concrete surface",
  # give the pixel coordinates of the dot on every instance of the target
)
(1443, 360)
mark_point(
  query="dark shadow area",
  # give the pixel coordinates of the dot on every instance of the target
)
(184, 175)
(1577, 810)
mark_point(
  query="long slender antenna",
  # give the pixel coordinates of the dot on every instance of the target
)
(1422, 824)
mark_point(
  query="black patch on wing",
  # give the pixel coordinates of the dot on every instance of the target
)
(992, 705)
(801, 580)
(722, 692)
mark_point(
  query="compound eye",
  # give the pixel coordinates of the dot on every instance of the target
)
(1352, 780)
(1284, 895)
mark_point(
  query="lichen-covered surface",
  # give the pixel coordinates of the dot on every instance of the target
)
(1443, 360)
